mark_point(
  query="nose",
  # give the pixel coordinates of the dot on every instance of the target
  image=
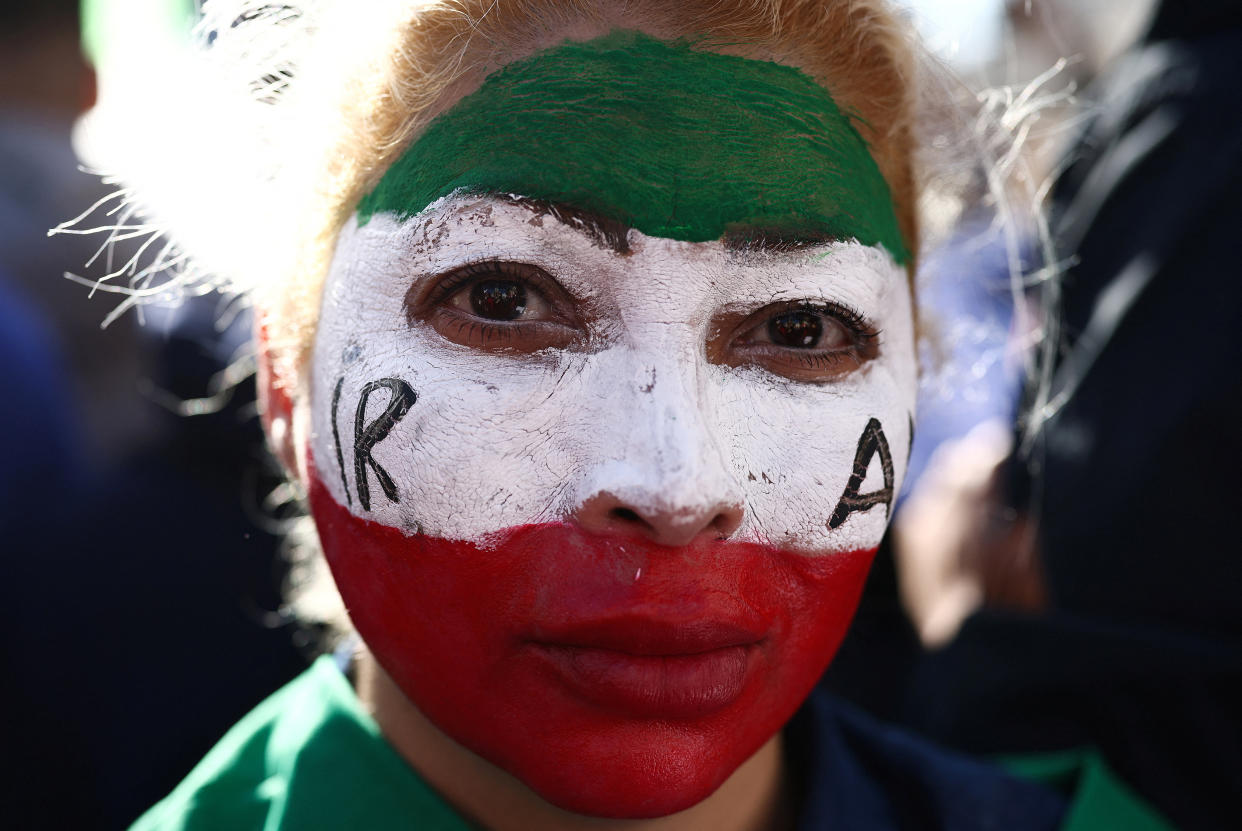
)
(664, 524)
(661, 472)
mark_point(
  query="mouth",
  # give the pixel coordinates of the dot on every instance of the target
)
(646, 668)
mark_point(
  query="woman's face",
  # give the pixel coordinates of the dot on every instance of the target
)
(606, 426)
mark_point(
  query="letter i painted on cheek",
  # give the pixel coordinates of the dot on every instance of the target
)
(336, 438)
(872, 441)
(366, 436)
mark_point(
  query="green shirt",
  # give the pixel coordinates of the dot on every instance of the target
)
(311, 758)
(307, 758)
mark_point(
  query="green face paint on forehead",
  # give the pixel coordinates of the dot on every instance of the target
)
(673, 141)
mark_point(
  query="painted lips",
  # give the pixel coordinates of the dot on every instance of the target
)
(654, 669)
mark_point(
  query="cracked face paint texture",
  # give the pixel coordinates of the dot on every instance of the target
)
(676, 142)
(621, 661)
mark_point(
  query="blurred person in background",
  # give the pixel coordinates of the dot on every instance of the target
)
(1082, 592)
(45, 84)
(124, 529)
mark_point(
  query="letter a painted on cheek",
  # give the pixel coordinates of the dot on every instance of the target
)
(366, 437)
(872, 441)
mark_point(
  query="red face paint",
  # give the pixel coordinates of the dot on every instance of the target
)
(613, 676)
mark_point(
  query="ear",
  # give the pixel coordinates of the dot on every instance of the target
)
(275, 402)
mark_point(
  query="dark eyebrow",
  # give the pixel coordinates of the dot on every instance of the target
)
(774, 241)
(604, 231)
(614, 234)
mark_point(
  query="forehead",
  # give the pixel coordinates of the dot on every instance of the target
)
(673, 141)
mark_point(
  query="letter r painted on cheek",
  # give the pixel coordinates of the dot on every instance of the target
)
(366, 436)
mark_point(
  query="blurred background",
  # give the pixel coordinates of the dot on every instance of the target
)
(141, 582)
(1055, 582)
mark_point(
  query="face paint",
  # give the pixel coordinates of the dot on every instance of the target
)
(470, 580)
(490, 439)
(453, 467)
(613, 676)
(678, 143)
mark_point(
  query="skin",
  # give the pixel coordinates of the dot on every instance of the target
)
(646, 449)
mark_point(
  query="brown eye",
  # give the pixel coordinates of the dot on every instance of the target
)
(498, 305)
(812, 342)
(498, 299)
(800, 330)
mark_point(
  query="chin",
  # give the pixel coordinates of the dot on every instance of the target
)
(636, 783)
(614, 766)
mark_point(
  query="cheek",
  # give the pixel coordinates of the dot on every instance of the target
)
(462, 629)
(820, 467)
(423, 441)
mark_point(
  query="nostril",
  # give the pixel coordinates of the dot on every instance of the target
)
(674, 526)
(626, 515)
(726, 524)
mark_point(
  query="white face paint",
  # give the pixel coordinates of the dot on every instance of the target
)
(500, 439)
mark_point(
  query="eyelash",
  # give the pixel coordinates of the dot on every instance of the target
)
(852, 319)
(864, 334)
(487, 332)
(433, 303)
(847, 316)
(464, 275)
(822, 360)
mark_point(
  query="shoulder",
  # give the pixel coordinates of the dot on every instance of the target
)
(861, 773)
(308, 758)
(227, 788)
